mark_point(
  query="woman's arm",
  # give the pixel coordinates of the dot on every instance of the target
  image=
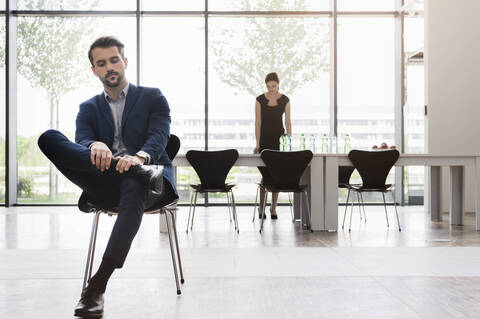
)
(288, 122)
(258, 123)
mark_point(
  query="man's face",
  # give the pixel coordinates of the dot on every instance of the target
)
(109, 66)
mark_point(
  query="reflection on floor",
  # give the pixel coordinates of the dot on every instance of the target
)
(429, 270)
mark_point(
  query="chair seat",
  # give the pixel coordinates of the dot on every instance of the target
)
(200, 189)
(273, 189)
(87, 204)
(361, 188)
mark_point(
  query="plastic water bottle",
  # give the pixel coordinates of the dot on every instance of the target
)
(282, 143)
(289, 143)
(346, 144)
(303, 142)
(333, 144)
(312, 143)
(324, 143)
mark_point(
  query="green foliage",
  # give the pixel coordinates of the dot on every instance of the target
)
(25, 186)
(50, 50)
(296, 48)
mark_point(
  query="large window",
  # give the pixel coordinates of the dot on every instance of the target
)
(2, 109)
(210, 59)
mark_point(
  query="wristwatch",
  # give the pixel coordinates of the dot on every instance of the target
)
(145, 156)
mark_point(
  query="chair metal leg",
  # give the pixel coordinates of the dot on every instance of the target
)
(257, 194)
(385, 205)
(229, 204)
(193, 212)
(190, 209)
(91, 249)
(396, 211)
(351, 214)
(363, 207)
(173, 255)
(359, 204)
(264, 207)
(172, 215)
(234, 208)
(291, 207)
(346, 206)
(308, 211)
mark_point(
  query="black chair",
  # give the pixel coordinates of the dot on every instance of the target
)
(87, 204)
(286, 169)
(212, 168)
(374, 167)
(344, 174)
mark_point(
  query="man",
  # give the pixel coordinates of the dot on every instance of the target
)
(119, 134)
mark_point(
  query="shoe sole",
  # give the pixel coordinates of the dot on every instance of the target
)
(98, 315)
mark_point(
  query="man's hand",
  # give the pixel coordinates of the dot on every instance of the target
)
(100, 156)
(126, 161)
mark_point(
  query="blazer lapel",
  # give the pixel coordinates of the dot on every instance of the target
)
(105, 110)
(132, 97)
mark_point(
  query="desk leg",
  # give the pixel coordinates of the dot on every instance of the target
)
(316, 193)
(477, 192)
(435, 193)
(331, 193)
(457, 186)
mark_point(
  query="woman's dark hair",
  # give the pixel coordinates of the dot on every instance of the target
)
(105, 42)
(272, 77)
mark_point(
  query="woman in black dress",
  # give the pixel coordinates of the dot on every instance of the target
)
(269, 110)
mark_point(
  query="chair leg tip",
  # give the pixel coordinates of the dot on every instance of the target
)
(182, 281)
(179, 292)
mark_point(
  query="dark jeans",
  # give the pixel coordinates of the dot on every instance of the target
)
(109, 188)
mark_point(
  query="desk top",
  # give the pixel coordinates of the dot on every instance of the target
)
(342, 159)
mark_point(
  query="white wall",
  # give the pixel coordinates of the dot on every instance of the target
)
(452, 60)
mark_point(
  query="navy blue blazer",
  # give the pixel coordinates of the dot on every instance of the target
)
(145, 124)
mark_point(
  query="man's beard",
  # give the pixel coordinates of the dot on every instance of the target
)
(108, 83)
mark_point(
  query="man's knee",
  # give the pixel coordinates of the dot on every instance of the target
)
(46, 138)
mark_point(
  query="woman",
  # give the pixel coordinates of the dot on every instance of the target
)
(269, 109)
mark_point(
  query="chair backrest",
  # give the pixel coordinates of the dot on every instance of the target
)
(373, 166)
(173, 146)
(212, 167)
(286, 168)
(344, 174)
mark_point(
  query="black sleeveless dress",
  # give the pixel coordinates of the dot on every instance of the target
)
(271, 128)
(272, 124)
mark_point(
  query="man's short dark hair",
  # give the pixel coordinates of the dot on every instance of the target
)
(105, 42)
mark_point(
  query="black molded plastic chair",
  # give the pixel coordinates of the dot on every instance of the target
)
(212, 168)
(90, 205)
(344, 174)
(374, 167)
(286, 169)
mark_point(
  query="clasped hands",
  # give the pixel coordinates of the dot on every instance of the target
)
(101, 156)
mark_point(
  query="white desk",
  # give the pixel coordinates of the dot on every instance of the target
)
(322, 176)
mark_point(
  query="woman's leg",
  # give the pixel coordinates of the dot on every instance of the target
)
(273, 209)
(260, 205)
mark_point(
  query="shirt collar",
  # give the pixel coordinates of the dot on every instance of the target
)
(123, 94)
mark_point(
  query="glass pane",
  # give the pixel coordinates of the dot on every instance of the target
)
(50, 89)
(366, 5)
(2, 110)
(366, 65)
(412, 7)
(242, 51)
(269, 5)
(414, 106)
(177, 5)
(179, 72)
(76, 5)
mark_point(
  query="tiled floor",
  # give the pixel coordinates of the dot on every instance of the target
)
(429, 270)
